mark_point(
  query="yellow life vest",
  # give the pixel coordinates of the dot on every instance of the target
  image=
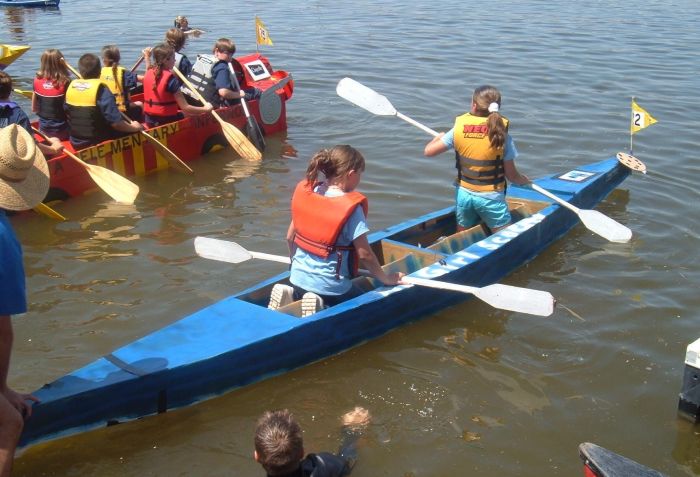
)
(84, 115)
(479, 165)
(115, 85)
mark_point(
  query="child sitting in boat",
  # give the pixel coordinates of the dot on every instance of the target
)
(327, 236)
(162, 98)
(485, 155)
(50, 93)
(176, 38)
(12, 113)
(91, 108)
(120, 82)
(212, 77)
(279, 446)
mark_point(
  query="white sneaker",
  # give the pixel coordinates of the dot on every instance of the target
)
(281, 295)
(310, 304)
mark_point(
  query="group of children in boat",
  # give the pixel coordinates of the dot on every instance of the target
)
(97, 106)
(327, 235)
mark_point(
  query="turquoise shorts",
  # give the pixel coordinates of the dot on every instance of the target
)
(472, 208)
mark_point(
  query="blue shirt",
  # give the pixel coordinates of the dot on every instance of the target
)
(11, 113)
(316, 274)
(13, 294)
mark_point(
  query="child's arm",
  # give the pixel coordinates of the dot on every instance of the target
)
(291, 232)
(369, 261)
(513, 175)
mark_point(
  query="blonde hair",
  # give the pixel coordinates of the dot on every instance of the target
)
(278, 442)
(483, 96)
(224, 45)
(53, 67)
(111, 57)
(337, 161)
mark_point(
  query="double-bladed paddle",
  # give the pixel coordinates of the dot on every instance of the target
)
(117, 187)
(235, 138)
(504, 297)
(252, 130)
(368, 99)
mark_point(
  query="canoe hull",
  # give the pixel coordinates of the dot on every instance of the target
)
(189, 139)
(29, 3)
(228, 344)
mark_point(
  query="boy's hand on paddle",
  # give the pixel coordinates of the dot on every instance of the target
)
(357, 418)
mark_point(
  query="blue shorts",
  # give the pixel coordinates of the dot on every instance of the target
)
(472, 208)
(13, 296)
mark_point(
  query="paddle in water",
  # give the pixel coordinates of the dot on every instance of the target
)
(252, 130)
(504, 297)
(117, 187)
(368, 99)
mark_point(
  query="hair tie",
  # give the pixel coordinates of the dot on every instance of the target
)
(493, 108)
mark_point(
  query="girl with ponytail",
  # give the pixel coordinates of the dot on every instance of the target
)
(485, 158)
(163, 102)
(327, 236)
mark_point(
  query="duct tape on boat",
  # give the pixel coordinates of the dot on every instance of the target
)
(692, 354)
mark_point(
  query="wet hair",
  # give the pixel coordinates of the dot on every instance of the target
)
(175, 38)
(53, 67)
(337, 161)
(111, 57)
(5, 85)
(177, 23)
(483, 96)
(225, 45)
(89, 66)
(279, 442)
(160, 54)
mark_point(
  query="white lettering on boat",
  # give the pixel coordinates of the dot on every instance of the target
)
(504, 236)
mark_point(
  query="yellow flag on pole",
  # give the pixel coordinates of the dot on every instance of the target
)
(263, 37)
(640, 118)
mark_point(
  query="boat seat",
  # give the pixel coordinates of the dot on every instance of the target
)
(459, 241)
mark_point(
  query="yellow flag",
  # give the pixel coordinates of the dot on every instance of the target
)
(640, 118)
(263, 37)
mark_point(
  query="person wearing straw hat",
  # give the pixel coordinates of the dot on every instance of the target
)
(24, 182)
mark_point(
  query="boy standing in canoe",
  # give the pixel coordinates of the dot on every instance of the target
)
(485, 158)
(279, 446)
(24, 182)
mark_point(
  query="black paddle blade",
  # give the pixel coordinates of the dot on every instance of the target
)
(252, 130)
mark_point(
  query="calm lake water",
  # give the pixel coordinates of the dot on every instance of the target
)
(467, 391)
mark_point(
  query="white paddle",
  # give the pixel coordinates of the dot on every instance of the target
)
(375, 103)
(504, 297)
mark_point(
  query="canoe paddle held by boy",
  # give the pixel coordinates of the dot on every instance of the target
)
(485, 157)
(327, 236)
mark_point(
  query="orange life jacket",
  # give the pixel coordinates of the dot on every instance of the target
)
(479, 165)
(318, 220)
(158, 102)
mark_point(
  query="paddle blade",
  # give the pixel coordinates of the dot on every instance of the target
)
(239, 142)
(44, 209)
(604, 226)
(252, 130)
(522, 300)
(117, 187)
(364, 97)
(221, 250)
(169, 155)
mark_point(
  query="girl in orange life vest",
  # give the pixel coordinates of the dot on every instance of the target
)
(50, 94)
(162, 98)
(327, 236)
(485, 155)
(120, 81)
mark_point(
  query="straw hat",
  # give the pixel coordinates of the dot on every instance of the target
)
(24, 174)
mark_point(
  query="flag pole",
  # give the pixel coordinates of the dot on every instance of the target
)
(256, 34)
(631, 123)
